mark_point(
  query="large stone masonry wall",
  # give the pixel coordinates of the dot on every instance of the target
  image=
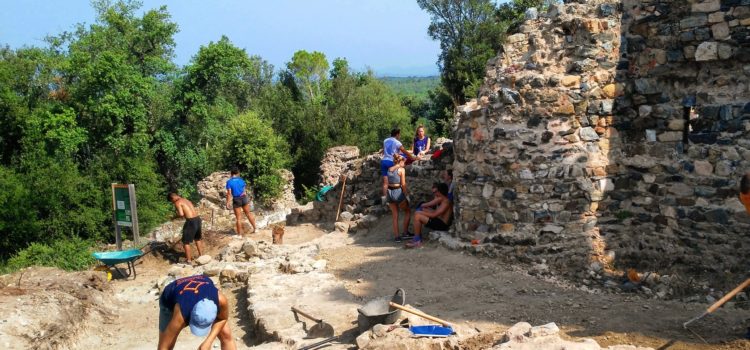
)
(574, 155)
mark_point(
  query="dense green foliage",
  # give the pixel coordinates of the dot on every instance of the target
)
(314, 111)
(105, 103)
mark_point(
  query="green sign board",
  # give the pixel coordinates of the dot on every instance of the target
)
(123, 212)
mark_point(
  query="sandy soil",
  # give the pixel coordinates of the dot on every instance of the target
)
(493, 296)
(482, 293)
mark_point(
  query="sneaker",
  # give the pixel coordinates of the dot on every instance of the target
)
(407, 234)
(414, 243)
(398, 239)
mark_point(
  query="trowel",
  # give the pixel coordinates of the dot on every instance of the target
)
(319, 330)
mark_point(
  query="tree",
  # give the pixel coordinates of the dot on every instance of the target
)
(469, 35)
(309, 70)
(251, 145)
(220, 82)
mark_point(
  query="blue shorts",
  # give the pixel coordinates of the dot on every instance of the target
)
(384, 165)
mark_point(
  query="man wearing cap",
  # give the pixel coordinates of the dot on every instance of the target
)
(194, 301)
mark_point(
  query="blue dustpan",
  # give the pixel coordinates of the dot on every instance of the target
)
(431, 331)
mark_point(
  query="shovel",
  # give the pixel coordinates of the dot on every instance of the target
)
(719, 303)
(319, 330)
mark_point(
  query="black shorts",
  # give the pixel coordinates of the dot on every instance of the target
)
(191, 231)
(437, 224)
(239, 202)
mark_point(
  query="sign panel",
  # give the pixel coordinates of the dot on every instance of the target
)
(124, 212)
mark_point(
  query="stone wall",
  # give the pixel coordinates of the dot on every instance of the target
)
(361, 200)
(578, 153)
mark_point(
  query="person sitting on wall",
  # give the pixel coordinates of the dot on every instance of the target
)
(420, 146)
(439, 219)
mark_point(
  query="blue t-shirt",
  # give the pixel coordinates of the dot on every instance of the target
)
(391, 146)
(420, 146)
(188, 291)
(237, 185)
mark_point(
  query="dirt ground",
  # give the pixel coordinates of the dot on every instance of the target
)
(492, 296)
(484, 293)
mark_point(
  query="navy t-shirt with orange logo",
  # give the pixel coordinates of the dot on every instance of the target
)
(188, 291)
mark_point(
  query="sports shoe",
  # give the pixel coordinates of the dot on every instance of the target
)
(414, 243)
(407, 234)
(398, 239)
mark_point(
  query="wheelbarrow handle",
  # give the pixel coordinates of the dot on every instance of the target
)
(420, 314)
(298, 311)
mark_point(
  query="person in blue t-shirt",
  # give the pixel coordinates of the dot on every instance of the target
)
(195, 302)
(391, 146)
(240, 200)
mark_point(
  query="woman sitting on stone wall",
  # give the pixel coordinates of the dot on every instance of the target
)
(420, 146)
(398, 196)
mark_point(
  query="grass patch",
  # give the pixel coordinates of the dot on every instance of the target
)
(623, 214)
(71, 255)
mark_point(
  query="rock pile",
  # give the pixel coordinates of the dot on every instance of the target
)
(580, 155)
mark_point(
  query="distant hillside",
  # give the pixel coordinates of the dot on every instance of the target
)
(412, 86)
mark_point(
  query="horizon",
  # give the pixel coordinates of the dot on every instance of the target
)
(388, 37)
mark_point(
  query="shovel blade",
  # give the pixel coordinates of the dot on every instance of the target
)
(320, 330)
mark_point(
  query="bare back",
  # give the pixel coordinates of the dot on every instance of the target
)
(185, 208)
(445, 209)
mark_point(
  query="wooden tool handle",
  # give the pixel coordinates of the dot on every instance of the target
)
(420, 314)
(729, 295)
(296, 310)
(341, 198)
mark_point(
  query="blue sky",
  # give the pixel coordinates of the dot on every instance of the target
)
(389, 36)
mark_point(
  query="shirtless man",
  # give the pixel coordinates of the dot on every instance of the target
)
(437, 219)
(191, 231)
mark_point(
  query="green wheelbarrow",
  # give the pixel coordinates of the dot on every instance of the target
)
(111, 259)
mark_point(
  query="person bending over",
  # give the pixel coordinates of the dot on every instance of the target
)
(439, 219)
(191, 231)
(195, 302)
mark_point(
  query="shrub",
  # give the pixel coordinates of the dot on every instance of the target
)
(69, 254)
(309, 194)
(252, 145)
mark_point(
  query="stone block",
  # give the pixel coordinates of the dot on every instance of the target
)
(707, 51)
(588, 134)
(517, 332)
(646, 86)
(571, 81)
(566, 108)
(725, 51)
(694, 21)
(203, 259)
(544, 330)
(720, 31)
(716, 17)
(670, 136)
(703, 168)
(515, 38)
(706, 6)
(676, 124)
